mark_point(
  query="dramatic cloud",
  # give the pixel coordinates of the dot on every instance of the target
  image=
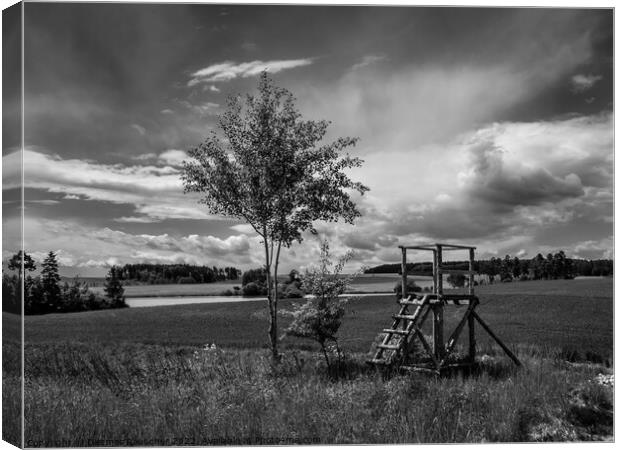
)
(425, 103)
(156, 192)
(82, 246)
(492, 179)
(583, 83)
(229, 70)
(497, 183)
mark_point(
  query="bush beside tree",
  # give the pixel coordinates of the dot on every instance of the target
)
(320, 317)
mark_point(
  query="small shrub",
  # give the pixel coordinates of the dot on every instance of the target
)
(293, 291)
(253, 288)
(186, 280)
(320, 317)
(411, 287)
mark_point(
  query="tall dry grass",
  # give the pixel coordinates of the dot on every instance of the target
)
(132, 394)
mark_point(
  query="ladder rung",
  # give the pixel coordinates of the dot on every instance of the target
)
(410, 302)
(390, 330)
(418, 369)
(389, 346)
(404, 316)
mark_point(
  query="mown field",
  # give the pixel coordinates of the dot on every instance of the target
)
(137, 374)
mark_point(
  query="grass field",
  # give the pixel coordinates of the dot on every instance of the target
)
(135, 374)
(576, 316)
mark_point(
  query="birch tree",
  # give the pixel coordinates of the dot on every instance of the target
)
(273, 171)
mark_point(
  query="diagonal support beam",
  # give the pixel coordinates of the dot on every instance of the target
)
(456, 333)
(501, 344)
(427, 347)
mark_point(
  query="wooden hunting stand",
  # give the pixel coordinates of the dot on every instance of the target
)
(400, 340)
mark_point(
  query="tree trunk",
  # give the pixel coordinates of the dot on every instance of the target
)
(274, 318)
(272, 331)
(325, 354)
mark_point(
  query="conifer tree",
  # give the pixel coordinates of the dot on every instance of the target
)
(50, 280)
(114, 289)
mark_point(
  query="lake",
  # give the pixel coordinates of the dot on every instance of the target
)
(143, 302)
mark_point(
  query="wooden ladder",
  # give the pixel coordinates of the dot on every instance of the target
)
(405, 326)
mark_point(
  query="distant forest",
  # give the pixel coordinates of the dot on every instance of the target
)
(176, 273)
(552, 267)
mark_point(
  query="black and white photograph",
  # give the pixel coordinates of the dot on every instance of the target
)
(233, 225)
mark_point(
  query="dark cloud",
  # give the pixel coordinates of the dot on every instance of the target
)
(357, 241)
(490, 181)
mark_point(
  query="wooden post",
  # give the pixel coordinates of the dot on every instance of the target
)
(404, 273)
(471, 269)
(438, 347)
(439, 272)
(434, 271)
(472, 338)
(438, 331)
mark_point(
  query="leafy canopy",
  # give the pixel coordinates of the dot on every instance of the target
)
(270, 169)
(15, 263)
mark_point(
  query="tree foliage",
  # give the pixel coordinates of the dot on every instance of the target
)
(50, 281)
(553, 266)
(15, 263)
(45, 294)
(176, 273)
(273, 171)
(113, 288)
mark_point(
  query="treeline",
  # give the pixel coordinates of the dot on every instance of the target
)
(552, 267)
(46, 294)
(176, 273)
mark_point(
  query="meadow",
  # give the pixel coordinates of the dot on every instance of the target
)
(137, 374)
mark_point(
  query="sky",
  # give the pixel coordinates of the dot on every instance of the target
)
(490, 127)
